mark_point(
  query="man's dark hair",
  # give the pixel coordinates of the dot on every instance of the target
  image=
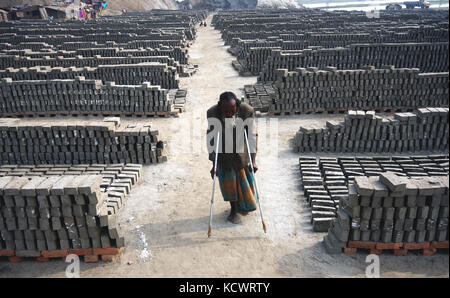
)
(227, 96)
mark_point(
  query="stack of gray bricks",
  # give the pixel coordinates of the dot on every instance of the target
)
(329, 27)
(81, 96)
(428, 57)
(75, 141)
(319, 39)
(425, 130)
(323, 186)
(255, 59)
(311, 90)
(141, 40)
(79, 61)
(118, 179)
(391, 209)
(56, 213)
(121, 74)
(326, 180)
(260, 96)
(264, 60)
(323, 208)
(411, 166)
(312, 95)
(73, 58)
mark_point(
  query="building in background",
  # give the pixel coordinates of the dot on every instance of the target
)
(28, 12)
(56, 12)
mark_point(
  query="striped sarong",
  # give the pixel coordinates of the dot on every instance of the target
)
(238, 185)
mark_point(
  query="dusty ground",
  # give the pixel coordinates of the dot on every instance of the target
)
(165, 219)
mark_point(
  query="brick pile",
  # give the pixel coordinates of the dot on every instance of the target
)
(239, 24)
(428, 57)
(325, 180)
(121, 74)
(81, 96)
(107, 53)
(331, 39)
(63, 181)
(319, 39)
(260, 96)
(266, 41)
(46, 217)
(129, 51)
(148, 25)
(286, 97)
(263, 61)
(255, 60)
(143, 40)
(425, 130)
(392, 212)
(75, 141)
(234, 24)
(311, 90)
(9, 63)
(118, 179)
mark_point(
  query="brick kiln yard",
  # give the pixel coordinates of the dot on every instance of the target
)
(165, 217)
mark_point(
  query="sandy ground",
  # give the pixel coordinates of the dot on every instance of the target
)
(165, 219)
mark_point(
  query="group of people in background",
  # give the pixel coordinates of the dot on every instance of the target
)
(89, 9)
(86, 13)
(203, 24)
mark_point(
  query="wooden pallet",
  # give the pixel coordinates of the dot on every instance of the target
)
(398, 249)
(91, 255)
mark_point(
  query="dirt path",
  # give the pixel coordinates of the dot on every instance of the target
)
(165, 218)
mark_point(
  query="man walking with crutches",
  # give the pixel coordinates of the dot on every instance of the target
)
(235, 162)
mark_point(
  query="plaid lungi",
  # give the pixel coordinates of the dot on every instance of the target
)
(238, 185)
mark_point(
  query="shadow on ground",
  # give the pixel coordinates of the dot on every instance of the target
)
(185, 232)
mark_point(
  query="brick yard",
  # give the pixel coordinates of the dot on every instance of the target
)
(160, 193)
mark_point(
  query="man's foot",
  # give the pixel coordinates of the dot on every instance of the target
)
(234, 217)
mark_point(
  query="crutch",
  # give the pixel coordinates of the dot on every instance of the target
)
(214, 185)
(256, 183)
